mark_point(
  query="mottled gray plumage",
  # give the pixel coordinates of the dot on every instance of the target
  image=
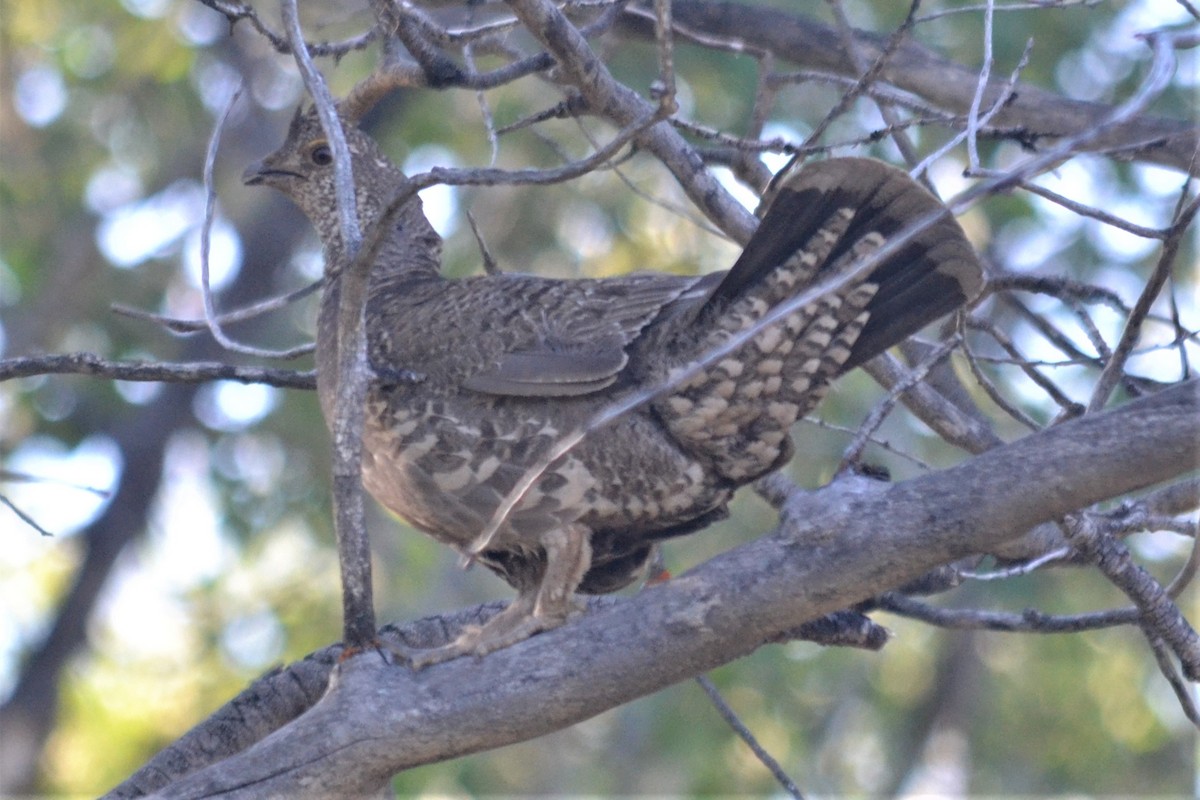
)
(509, 363)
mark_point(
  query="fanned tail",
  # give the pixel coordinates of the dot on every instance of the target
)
(823, 219)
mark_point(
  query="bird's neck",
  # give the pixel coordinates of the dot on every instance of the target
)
(408, 247)
(406, 257)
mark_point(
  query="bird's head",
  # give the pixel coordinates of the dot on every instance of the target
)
(303, 169)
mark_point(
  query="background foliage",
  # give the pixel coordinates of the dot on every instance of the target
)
(222, 563)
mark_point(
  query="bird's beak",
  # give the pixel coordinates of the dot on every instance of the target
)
(262, 173)
(256, 173)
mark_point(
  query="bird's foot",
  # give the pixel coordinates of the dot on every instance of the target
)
(514, 624)
(536, 609)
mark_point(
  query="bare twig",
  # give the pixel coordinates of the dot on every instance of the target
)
(485, 108)
(853, 452)
(1187, 572)
(11, 476)
(664, 40)
(1178, 498)
(1183, 692)
(1057, 286)
(994, 394)
(1051, 389)
(985, 72)
(154, 371)
(489, 262)
(1064, 343)
(314, 82)
(1114, 370)
(21, 515)
(235, 12)
(1092, 360)
(1031, 5)
(211, 317)
(882, 444)
(186, 326)
(867, 75)
(732, 720)
(354, 549)
(1028, 621)
(976, 123)
(1095, 213)
(749, 169)
(1039, 113)
(573, 105)
(681, 211)
(1089, 328)
(537, 177)
(1032, 565)
(962, 427)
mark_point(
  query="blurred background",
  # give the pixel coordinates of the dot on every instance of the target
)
(192, 544)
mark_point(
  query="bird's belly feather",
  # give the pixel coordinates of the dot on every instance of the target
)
(447, 476)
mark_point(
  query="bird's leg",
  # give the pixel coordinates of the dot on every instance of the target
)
(568, 556)
(539, 608)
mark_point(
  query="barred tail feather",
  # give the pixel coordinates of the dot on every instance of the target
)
(931, 276)
(736, 415)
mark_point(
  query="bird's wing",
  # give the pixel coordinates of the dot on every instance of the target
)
(582, 333)
(549, 373)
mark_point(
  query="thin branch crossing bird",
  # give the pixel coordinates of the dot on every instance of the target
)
(509, 363)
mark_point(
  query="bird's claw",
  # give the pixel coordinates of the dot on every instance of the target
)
(499, 632)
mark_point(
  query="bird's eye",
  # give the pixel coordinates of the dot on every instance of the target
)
(321, 155)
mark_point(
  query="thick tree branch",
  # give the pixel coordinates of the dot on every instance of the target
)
(828, 553)
(283, 694)
(1036, 112)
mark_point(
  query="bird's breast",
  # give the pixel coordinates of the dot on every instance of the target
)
(446, 469)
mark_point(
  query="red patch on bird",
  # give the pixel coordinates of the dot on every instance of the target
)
(662, 576)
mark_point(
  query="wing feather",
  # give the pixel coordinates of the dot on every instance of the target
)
(581, 336)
